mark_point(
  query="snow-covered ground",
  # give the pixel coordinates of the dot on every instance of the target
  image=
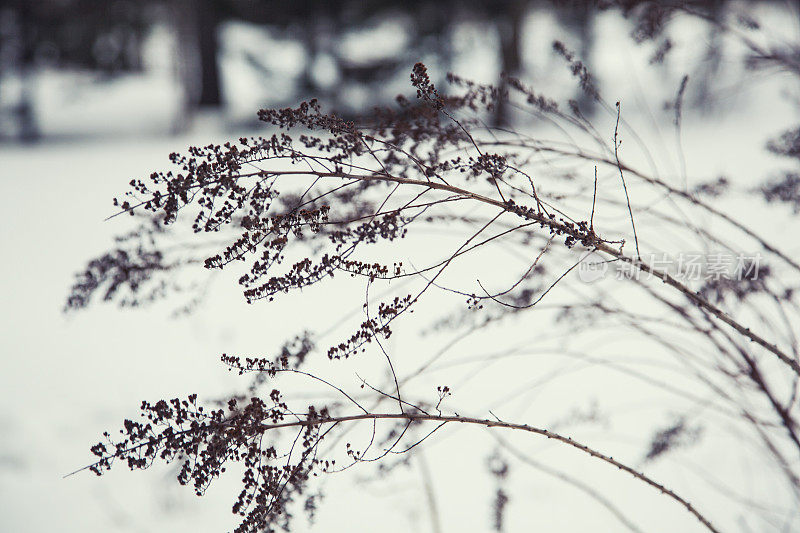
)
(64, 379)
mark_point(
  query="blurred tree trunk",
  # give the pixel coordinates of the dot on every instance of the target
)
(28, 127)
(576, 17)
(208, 20)
(510, 32)
(197, 63)
(24, 111)
(712, 59)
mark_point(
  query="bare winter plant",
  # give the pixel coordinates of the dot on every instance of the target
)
(325, 198)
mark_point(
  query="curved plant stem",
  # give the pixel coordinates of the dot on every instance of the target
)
(419, 417)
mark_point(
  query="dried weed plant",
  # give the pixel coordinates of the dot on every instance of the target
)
(325, 197)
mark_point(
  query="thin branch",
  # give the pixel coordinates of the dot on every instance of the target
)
(594, 200)
(427, 483)
(575, 482)
(624, 186)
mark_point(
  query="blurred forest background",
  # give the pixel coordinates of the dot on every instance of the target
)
(157, 65)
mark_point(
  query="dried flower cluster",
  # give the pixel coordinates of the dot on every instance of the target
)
(294, 210)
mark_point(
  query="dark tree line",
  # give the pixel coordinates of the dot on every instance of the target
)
(107, 38)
